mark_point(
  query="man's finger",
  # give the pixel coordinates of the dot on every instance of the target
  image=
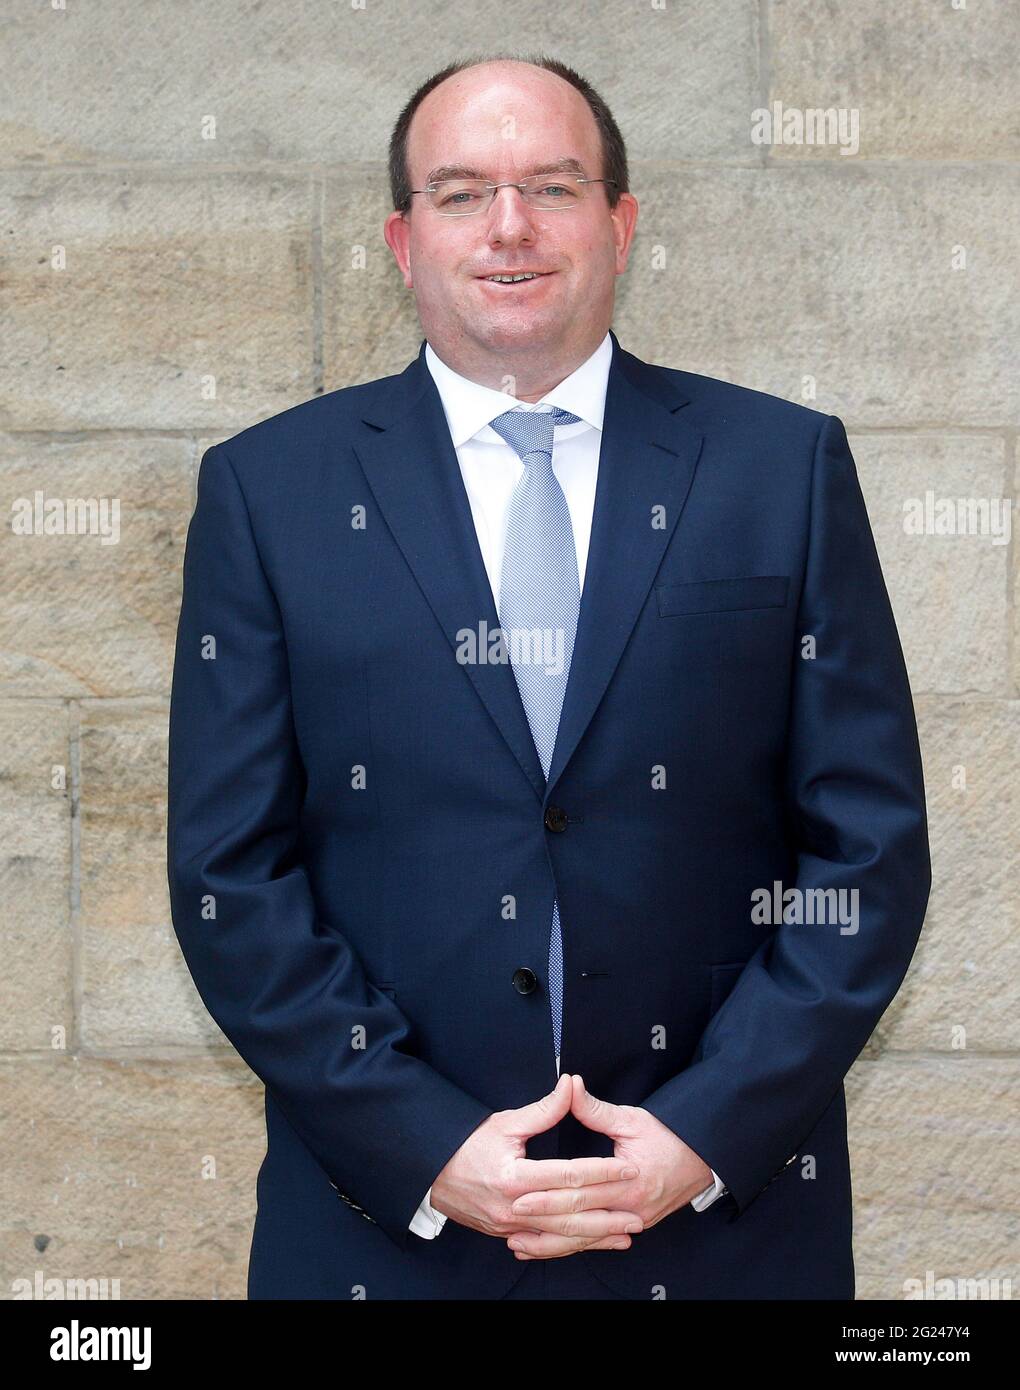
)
(540, 1115)
(546, 1246)
(608, 1195)
(544, 1174)
(609, 1243)
(600, 1115)
(584, 1225)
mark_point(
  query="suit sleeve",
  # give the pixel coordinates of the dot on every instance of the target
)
(290, 995)
(774, 1055)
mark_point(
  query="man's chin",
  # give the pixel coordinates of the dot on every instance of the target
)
(515, 331)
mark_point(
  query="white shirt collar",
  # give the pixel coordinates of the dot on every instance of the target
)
(470, 407)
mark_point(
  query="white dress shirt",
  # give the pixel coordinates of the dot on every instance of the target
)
(491, 471)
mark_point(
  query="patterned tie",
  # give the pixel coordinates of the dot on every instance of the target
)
(539, 600)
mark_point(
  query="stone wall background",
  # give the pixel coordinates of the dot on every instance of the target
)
(131, 1131)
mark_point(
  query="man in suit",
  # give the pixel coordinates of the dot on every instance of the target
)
(546, 817)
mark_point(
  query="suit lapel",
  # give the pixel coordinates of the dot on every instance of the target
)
(646, 463)
(412, 469)
(647, 460)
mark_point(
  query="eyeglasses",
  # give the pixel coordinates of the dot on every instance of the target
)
(462, 197)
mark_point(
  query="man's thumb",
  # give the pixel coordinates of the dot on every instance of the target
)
(545, 1112)
(600, 1115)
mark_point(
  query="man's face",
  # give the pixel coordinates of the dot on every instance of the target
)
(504, 121)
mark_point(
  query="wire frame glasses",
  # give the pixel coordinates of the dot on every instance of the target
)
(462, 197)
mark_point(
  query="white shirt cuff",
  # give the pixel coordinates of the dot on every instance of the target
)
(710, 1194)
(427, 1222)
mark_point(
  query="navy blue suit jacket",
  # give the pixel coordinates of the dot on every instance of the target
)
(351, 809)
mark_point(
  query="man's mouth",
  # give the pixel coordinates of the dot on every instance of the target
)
(514, 277)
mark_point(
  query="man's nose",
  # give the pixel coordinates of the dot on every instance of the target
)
(509, 215)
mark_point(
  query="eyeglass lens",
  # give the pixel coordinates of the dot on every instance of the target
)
(470, 195)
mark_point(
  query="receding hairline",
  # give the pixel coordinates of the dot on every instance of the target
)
(610, 159)
(568, 162)
(500, 63)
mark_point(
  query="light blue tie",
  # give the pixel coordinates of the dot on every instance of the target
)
(539, 600)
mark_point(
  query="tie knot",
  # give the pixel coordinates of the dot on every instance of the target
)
(531, 431)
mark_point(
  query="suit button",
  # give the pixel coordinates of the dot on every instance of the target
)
(555, 818)
(524, 980)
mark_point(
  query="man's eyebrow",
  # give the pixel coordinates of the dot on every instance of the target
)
(463, 171)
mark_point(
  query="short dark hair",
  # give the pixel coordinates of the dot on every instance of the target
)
(614, 151)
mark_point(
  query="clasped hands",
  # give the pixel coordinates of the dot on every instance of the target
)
(548, 1208)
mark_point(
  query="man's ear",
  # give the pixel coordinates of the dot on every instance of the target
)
(624, 217)
(397, 234)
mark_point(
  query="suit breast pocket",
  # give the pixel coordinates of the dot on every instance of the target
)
(723, 595)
